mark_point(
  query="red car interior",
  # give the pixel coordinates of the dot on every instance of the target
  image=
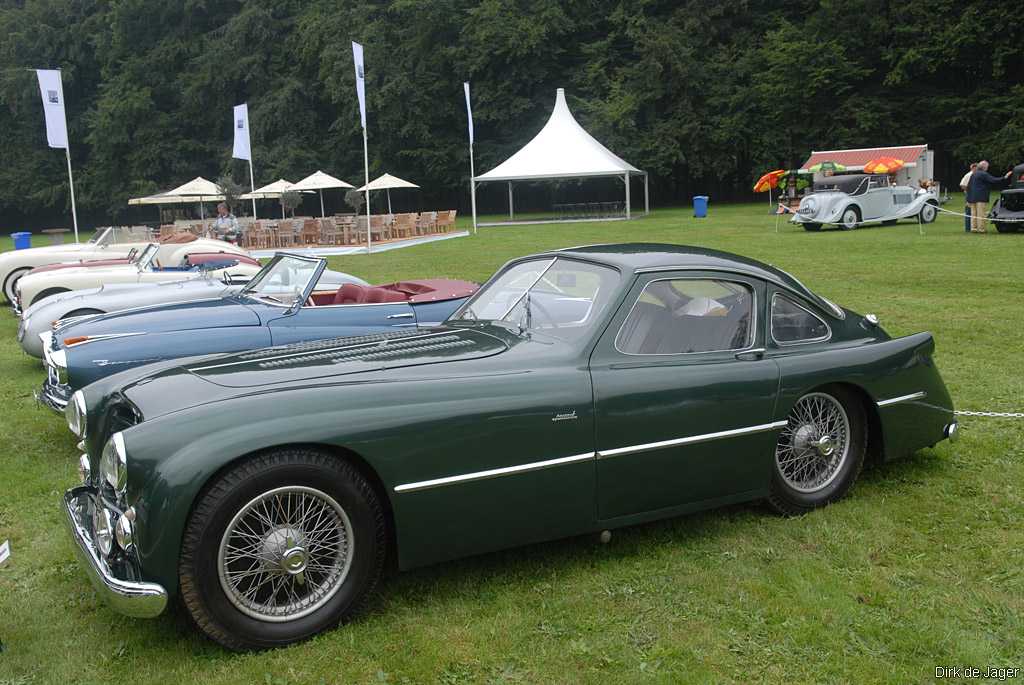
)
(430, 290)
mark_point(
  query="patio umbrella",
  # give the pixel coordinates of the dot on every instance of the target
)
(883, 165)
(767, 182)
(387, 182)
(320, 182)
(271, 191)
(827, 166)
(197, 190)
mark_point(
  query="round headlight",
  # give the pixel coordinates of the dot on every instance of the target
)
(125, 529)
(103, 529)
(75, 414)
(114, 463)
(809, 205)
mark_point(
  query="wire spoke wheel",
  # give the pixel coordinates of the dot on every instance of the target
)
(815, 444)
(285, 553)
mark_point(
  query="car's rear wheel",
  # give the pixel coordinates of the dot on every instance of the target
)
(812, 227)
(48, 293)
(10, 281)
(927, 213)
(851, 217)
(281, 547)
(820, 452)
(1006, 227)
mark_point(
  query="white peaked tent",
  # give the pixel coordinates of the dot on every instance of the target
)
(320, 182)
(387, 182)
(563, 149)
(271, 191)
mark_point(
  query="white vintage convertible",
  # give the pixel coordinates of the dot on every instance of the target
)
(156, 263)
(112, 242)
(850, 200)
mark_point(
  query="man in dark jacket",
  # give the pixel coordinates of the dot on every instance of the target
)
(978, 189)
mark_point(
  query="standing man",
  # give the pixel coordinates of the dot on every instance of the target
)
(964, 182)
(978, 189)
(226, 225)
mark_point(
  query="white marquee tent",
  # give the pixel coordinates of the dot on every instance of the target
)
(563, 149)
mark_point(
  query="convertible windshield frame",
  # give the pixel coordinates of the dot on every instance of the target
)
(251, 288)
(103, 237)
(147, 257)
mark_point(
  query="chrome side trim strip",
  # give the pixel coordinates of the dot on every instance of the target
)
(901, 398)
(692, 439)
(493, 473)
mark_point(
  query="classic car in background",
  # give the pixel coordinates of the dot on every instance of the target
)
(1008, 212)
(579, 390)
(156, 263)
(41, 317)
(850, 200)
(113, 242)
(287, 302)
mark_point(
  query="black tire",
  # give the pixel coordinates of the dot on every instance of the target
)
(82, 312)
(47, 293)
(9, 282)
(790, 500)
(812, 227)
(1004, 227)
(203, 592)
(847, 225)
(928, 213)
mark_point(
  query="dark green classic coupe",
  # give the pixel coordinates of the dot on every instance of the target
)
(579, 390)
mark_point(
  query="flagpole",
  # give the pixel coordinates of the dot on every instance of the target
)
(472, 186)
(71, 183)
(366, 174)
(252, 183)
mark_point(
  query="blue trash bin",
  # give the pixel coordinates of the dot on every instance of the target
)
(700, 206)
(22, 240)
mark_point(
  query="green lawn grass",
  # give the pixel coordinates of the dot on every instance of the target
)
(920, 567)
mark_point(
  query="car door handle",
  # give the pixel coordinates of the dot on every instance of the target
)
(751, 355)
(407, 315)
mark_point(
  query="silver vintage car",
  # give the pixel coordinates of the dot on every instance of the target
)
(850, 200)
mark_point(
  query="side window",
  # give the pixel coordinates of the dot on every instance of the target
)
(683, 316)
(791, 323)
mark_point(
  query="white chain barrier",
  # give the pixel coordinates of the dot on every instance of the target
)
(986, 218)
(992, 414)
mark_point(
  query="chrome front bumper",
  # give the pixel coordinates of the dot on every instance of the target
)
(53, 396)
(131, 598)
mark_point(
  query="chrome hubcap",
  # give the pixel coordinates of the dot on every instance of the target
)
(285, 553)
(814, 445)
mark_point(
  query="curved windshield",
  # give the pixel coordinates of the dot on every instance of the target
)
(560, 297)
(283, 280)
(101, 237)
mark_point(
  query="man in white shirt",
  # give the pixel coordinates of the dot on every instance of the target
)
(964, 182)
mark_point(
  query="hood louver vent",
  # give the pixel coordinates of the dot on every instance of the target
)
(328, 343)
(384, 350)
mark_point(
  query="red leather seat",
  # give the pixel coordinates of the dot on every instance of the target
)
(350, 293)
(378, 294)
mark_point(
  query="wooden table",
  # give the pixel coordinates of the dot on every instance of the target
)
(56, 235)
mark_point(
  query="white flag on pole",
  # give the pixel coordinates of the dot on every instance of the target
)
(469, 111)
(53, 107)
(357, 57)
(242, 149)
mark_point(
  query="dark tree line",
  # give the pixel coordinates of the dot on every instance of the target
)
(704, 95)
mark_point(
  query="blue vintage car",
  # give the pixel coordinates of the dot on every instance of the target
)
(281, 305)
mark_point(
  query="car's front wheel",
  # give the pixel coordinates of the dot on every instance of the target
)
(820, 452)
(281, 547)
(851, 217)
(928, 213)
(11, 281)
